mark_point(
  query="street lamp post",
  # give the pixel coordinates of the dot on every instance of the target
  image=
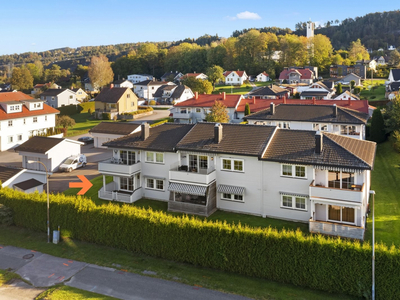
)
(48, 201)
(373, 243)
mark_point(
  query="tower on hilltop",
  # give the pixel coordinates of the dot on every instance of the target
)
(310, 29)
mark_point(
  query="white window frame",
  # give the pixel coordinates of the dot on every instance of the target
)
(294, 171)
(10, 139)
(155, 182)
(224, 196)
(232, 164)
(283, 125)
(341, 215)
(320, 126)
(154, 157)
(127, 183)
(35, 119)
(293, 202)
(198, 110)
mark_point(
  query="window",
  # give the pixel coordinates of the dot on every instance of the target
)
(320, 127)
(284, 125)
(155, 184)
(232, 165)
(128, 96)
(34, 119)
(341, 214)
(340, 180)
(24, 121)
(198, 110)
(12, 107)
(71, 97)
(294, 202)
(10, 123)
(132, 104)
(294, 171)
(45, 118)
(10, 139)
(232, 197)
(19, 137)
(127, 157)
(52, 98)
(183, 110)
(348, 130)
(156, 157)
(126, 183)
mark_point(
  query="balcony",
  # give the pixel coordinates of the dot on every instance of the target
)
(109, 193)
(337, 229)
(114, 167)
(354, 194)
(178, 115)
(194, 175)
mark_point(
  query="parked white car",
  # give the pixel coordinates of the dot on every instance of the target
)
(73, 162)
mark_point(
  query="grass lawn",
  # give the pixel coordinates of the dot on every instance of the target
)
(376, 93)
(62, 292)
(83, 123)
(6, 276)
(386, 183)
(233, 89)
(137, 263)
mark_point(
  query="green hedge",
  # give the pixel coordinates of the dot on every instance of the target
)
(76, 109)
(85, 106)
(142, 109)
(317, 262)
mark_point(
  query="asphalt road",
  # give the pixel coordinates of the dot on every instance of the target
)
(43, 270)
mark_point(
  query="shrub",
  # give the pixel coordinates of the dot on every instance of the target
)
(68, 110)
(152, 102)
(90, 111)
(317, 262)
(395, 138)
(377, 130)
(106, 116)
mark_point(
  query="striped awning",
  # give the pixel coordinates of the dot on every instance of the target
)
(230, 189)
(338, 169)
(190, 189)
(294, 194)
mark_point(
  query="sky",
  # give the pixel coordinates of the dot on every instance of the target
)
(35, 26)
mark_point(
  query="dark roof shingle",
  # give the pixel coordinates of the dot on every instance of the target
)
(111, 95)
(39, 144)
(114, 128)
(6, 173)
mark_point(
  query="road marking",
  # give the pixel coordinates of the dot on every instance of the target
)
(51, 275)
(65, 264)
(62, 278)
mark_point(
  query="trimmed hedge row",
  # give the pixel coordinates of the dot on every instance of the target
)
(141, 109)
(72, 109)
(317, 262)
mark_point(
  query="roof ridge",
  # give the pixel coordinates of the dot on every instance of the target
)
(345, 110)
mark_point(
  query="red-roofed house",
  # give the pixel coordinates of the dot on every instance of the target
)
(295, 76)
(194, 110)
(235, 77)
(263, 77)
(22, 116)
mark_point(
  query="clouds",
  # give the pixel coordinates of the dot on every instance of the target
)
(245, 15)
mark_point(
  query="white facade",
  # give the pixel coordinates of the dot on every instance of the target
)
(135, 78)
(262, 77)
(125, 84)
(234, 79)
(24, 175)
(193, 115)
(310, 29)
(346, 96)
(147, 91)
(100, 138)
(64, 98)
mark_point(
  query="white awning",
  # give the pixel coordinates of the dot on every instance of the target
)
(230, 189)
(190, 189)
(293, 194)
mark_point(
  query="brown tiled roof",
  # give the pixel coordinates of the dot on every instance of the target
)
(162, 138)
(239, 73)
(39, 144)
(111, 95)
(298, 146)
(311, 113)
(6, 173)
(273, 90)
(114, 128)
(249, 140)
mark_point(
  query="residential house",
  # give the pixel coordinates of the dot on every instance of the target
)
(328, 118)
(115, 101)
(342, 70)
(59, 97)
(52, 152)
(296, 76)
(269, 92)
(346, 95)
(21, 117)
(201, 76)
(80, 94)
(123, 83)
(391, 47)
(313, 69)
(318, 90)
(5, 87)
(394, 76)
(171, 76)
(262, 77)
(24, 180)
(146, 89)
(171, 94)
(235, 77)
(392, 90)
(370, 64)
(348, 78)
(40, 87)
(382, 60)
(194, 110)
(198, 168)
(135, 78)
(107, 131)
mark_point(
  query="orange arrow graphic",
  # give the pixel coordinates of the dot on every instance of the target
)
(85, 184)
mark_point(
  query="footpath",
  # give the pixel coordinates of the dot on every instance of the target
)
(43, 270)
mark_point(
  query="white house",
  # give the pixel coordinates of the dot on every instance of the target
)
(194, 110)
(52, 152)
(59, 97)
(235, 77)
(326, 118)
(346, 96)
(263, 77)
(171, 75)
(21, 117)
(317, 90)
(297, 75)
(24, 180)
(394, 76)
(146, 89)
(349, 77)
(168, 94)
(135, 78)
(201, 76)
(123, 83)
(318, 178)
(107, 131)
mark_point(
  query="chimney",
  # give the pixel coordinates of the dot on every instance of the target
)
(254, 99)
(196, 95)
(145, 131)
(318, 142)
(223, 96)
(349, 101)
(272, 108)
(111, 85)
(314, 101)
(334, 110)
(284, 99)
(217, 133)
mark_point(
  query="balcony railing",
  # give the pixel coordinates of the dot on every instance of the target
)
(117, 166)
(120, 196)
(196, 175)
(337, 229)
(179, 115)
(354, 194)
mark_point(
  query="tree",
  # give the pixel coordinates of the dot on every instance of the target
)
(36, 70)
(352, 84)
(339, 89)
(377, 127)
(65, 122)
(392, 117)
(215, 73)
(100, 72)
(198, 85)
(53, 74)
(218, 113)
(394, 59)
(321, 53)
(247, 109)
(21, 79)
(357, 51)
